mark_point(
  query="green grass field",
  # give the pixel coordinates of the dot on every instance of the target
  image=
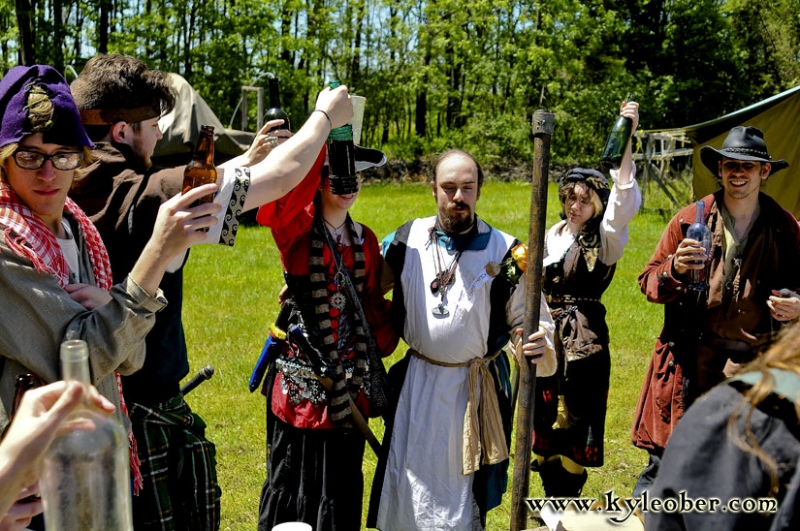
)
(231, 299)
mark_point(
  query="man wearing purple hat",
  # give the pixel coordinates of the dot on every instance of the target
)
(54, 272)
(120, 101)
(753, 275)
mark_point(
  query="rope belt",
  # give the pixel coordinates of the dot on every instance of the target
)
(485, 437)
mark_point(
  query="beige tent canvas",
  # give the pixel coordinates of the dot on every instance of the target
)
(778, 118)
(181, 127)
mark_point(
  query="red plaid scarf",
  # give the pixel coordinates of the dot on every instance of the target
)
(28, 236)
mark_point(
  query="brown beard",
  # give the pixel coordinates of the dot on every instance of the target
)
(453, 224)
(132, 157)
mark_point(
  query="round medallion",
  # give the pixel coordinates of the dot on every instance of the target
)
(338, 300)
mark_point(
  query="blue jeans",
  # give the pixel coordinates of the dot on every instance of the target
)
(648, 475)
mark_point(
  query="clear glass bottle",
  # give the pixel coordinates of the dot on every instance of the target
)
(86, 484)
(342, 158)
(699, 231)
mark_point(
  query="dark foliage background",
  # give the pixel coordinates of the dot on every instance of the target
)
(441, 73)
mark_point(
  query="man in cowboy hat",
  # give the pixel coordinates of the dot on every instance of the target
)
(121, 101)
(752, 273)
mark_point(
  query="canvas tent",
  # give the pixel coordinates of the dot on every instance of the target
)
(778, 117)
(181, 127)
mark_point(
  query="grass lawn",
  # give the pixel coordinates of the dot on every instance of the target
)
(231, 299)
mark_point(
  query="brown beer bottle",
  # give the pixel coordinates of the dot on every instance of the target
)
(201, 169)
(23, 383)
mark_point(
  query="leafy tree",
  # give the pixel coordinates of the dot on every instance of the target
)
(443, 73)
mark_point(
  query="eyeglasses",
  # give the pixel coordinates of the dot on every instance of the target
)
(31, 160)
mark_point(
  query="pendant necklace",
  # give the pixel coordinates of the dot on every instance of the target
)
(336, 231)
(337, 299)
(445, 277)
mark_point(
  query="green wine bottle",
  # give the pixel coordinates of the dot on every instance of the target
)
(617, 141)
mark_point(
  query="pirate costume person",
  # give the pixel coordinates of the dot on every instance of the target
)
(55, 272)
(753, 276)
(581, 252)
(322, 358)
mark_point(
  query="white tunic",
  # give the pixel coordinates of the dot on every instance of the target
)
(424, 487)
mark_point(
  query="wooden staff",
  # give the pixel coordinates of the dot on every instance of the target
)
(543, 125)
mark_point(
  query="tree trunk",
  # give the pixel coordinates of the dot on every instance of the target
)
(103, 26)
(58, 36)
(76, 45)
(26, 48)
(355, 65)
(286, 28)
(420, 119)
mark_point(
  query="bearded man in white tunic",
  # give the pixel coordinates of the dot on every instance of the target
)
(458, 299)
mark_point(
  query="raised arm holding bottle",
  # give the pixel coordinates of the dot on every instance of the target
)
(120, 101)
(582, 252)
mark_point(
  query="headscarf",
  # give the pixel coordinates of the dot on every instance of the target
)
(63, 128)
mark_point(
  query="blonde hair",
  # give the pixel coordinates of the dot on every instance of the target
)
(566, 192)
(40, 109)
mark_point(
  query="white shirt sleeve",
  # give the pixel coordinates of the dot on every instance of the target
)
(515, 312)
(623, 203)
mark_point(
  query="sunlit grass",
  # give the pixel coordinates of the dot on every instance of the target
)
(231, 299)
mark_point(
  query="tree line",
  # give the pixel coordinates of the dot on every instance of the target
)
(438, 73)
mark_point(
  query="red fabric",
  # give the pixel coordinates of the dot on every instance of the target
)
(32, 239)
(290, 219)
(28, 236)
(267, 214)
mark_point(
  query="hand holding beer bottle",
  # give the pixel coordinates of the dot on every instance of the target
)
(201, 169)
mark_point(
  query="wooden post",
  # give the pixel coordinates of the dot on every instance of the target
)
(543, 125)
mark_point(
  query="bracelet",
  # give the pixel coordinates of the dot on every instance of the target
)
(326, 116)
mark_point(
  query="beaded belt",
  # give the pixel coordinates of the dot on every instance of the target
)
(568, 299)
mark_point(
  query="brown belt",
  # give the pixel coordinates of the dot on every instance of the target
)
(738, 351)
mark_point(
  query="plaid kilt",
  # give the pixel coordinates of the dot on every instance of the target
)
(179, 469)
